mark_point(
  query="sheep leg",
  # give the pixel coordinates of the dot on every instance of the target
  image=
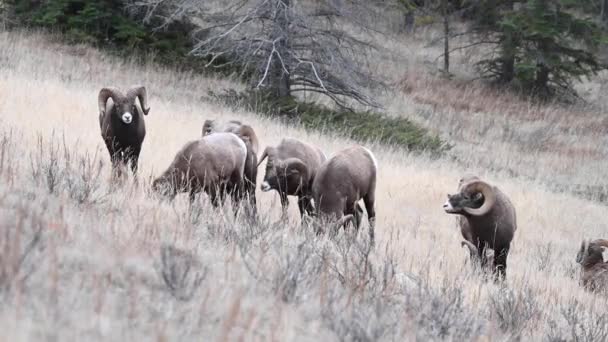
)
(481, 255)
(358, 215)
(236, 194)
(500, 263)
(284, 202)
(369, 201)
(133, 157)
(115, 155)
(305, 205)
(212, 192)
(302, 205)
(251, 174)
(192, 195)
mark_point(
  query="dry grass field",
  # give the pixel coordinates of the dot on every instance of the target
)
(84, 259)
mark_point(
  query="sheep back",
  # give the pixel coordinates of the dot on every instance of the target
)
(343, 180)
(207, 163)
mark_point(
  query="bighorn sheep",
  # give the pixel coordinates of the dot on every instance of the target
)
(488, 219)
(213, 164)
(344, 179)
(247, 134)
(122, 124)
(290, 170)
(593, 257)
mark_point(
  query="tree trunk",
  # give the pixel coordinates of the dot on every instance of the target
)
(541, 84)
(280, 79)
(604, 14)
(507, 72)
(446, 38)
(410, 21)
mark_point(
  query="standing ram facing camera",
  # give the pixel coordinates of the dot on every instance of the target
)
(290, 170)
(213, 164)
(593, 258)
(343, 180)
(248, 136)
(487, 220)
(122, 124)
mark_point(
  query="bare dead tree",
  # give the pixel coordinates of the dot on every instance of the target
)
(287, 46)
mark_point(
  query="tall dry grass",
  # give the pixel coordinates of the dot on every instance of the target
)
(84, 259)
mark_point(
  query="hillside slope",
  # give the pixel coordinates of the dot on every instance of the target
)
(97, 270)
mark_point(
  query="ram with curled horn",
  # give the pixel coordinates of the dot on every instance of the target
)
(122, 124)
(593, 258)
(487, 220)
(290, 170)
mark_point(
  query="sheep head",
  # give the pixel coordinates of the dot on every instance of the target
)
(592, 252)
(124, 105)
(287, 175)
(475, 198)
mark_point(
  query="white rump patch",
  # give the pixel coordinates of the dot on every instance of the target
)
(447, 206)
(605, 254)
(127, 118)
(373, 157)
(265, 186)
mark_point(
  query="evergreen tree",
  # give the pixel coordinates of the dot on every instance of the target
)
(543, 45)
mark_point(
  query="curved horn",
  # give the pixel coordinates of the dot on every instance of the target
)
(296, 164)
(472, 248)
(268, 152)
(488, 194)
(140, 92)
(601, 242)
(104, 94)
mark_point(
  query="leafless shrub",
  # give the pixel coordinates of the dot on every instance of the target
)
(514, 310)
(181, 272)
(52, 164)
(44, 163)
(544, 253)
(298, 268)
(5, 151)
(21, 243)
(84, 183)
(585, 325)
(441, 314)
(287, 46)
(364, 317)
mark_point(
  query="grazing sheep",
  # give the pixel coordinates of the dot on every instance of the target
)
(344, 179)
(122, 124)
(488, 219)
(213, 164)
(247, 134)
(593, 257)
(290, 170)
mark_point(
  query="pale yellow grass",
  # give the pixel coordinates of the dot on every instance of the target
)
(49, 90)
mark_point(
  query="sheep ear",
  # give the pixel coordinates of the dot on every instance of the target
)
(605, 254)
(207, 127)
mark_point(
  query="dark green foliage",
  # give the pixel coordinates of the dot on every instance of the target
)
(106, 23)
(360, 126)
(542, 46)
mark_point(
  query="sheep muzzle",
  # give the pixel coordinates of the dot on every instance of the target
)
(127, 118)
